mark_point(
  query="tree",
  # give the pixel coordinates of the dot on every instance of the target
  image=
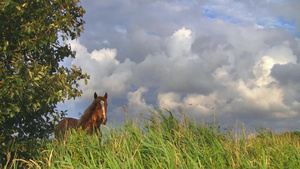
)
(32, 81)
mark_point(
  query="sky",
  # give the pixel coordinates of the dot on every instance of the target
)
(236, 59)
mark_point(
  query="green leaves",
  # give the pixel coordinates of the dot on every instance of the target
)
(32, 81)
(5, 3)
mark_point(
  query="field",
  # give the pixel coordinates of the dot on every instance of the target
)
(167, 140)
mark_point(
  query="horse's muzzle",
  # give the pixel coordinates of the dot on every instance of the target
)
(104, 121)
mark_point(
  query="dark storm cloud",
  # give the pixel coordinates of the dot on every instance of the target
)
(288, 73)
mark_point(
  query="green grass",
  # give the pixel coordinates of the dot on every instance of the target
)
(164, 141)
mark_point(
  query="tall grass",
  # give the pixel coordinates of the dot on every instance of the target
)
(164, 141)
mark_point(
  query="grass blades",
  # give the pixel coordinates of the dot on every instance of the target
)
(163, 140)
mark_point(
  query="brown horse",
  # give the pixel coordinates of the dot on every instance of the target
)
(92, 118)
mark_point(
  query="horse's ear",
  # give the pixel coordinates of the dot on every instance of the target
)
(105, 96)
(95, 95)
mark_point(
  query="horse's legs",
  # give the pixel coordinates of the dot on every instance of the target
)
(96, 129)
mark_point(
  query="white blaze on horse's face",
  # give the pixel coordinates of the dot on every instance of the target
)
(103, 108)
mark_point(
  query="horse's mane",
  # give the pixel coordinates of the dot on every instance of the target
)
(86, 115)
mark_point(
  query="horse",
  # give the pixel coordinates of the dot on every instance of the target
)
(93, 117)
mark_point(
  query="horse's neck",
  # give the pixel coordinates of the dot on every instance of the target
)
(86, 115)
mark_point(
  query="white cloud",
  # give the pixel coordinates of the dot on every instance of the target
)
(263, 98)
(179, 43)
(237, 59)
(107, 74)
(119, 81)
(201, 106)
(169, 100)
(137, 103)
(281, 54)
(104, 55)
(262, 70)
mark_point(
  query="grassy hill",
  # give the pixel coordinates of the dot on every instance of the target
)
(164, 141)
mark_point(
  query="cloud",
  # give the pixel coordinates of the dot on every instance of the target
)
(106, 72)
(169, 100)
(235, 59)
(119, 81)
(178, 69)
(287, 73)
(179, 44)
(136, 103)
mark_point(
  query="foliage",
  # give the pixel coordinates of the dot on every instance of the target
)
(31, 80)
(163, 141)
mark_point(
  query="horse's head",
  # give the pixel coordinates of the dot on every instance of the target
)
(101, 108)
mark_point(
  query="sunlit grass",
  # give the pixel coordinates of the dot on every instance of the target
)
(165, 140)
